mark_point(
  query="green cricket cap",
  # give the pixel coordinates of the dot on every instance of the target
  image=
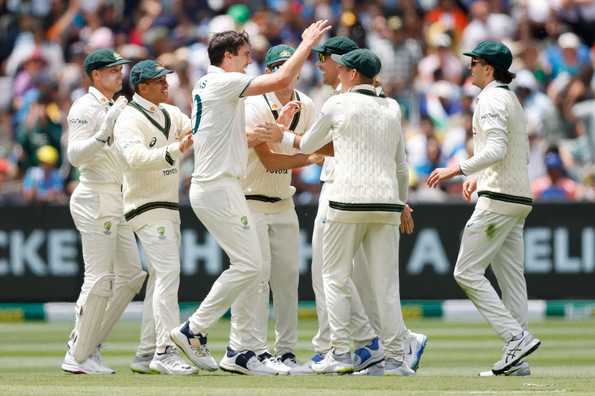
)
(104, 57)
(494, 53)
(147, 70)
(278, 53)
(362, 60)
(336, 45)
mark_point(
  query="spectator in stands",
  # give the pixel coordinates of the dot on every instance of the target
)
(556, 185)
(44, 183)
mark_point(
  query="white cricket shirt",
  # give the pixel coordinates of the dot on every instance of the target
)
(98, 163)
(218, 125)
(500, 152)
(371, 173)
(258, 180)
(147, 135)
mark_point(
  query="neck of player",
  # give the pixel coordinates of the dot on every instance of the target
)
(284, 96)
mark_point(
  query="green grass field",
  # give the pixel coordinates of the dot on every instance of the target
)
(30, 355)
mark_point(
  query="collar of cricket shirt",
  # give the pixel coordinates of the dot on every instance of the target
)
(145, 104)
(493, 84)
(364, 88)
(214, 69)
(100, 97)
(274, 102)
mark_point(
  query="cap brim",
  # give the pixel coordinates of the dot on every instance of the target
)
(163, 73)
(472, 54)
(319, 48)
(338, 59)
(119, 62)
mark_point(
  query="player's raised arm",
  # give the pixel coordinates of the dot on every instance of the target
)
(290, 69)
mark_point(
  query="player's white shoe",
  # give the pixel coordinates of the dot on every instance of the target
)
(515, 350)
(245, 362)
(374, 370)
(368, 355)
(269, 361)
(414, 349)
(317, 358)
(171, 363)
(140, 363)
(519, 370)
(89, 366)
(295, 368)
(194, 347)
(394, 366)
(334, 363)
(96, 357)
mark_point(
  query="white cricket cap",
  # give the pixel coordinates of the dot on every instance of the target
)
(569, 40)
(526, 79)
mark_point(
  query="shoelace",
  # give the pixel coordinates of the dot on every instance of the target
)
(173, 359)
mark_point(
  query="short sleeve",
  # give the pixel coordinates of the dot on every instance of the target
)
(254, 112)
(233, 85)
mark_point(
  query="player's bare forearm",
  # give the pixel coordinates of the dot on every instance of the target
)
(327, 150)
(275, 162)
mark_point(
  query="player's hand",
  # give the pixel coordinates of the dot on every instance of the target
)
(316, 159)
(186, 142)
(407, 224)
(287, 112)
(442, 174)
(107, 127)
(315, 31)
(469, 187)
(269, 132)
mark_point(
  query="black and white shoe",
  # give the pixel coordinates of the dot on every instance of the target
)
(521, 369)
(517, 348)
(194, 346)
(245, 362)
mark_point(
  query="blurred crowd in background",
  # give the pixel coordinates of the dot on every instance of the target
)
(43, 44)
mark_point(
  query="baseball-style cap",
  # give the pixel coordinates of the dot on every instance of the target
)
(278, 53)
(362, 60)
(104, 57)
(147, 70)
(336, 45)
(493, 52)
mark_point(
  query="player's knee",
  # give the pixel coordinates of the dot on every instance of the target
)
(463, 278)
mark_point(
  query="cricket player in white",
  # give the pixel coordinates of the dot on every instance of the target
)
(216, 195)
(152, 136)
(494, 233)
(113, 274)
(365, 317)
(365, 207)
(268, 191)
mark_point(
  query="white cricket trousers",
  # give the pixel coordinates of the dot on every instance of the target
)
(364, 322)
(107, 240)
(492, 238)
(161, 246)
(380, 246)
(221, 207)
(278, 234)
